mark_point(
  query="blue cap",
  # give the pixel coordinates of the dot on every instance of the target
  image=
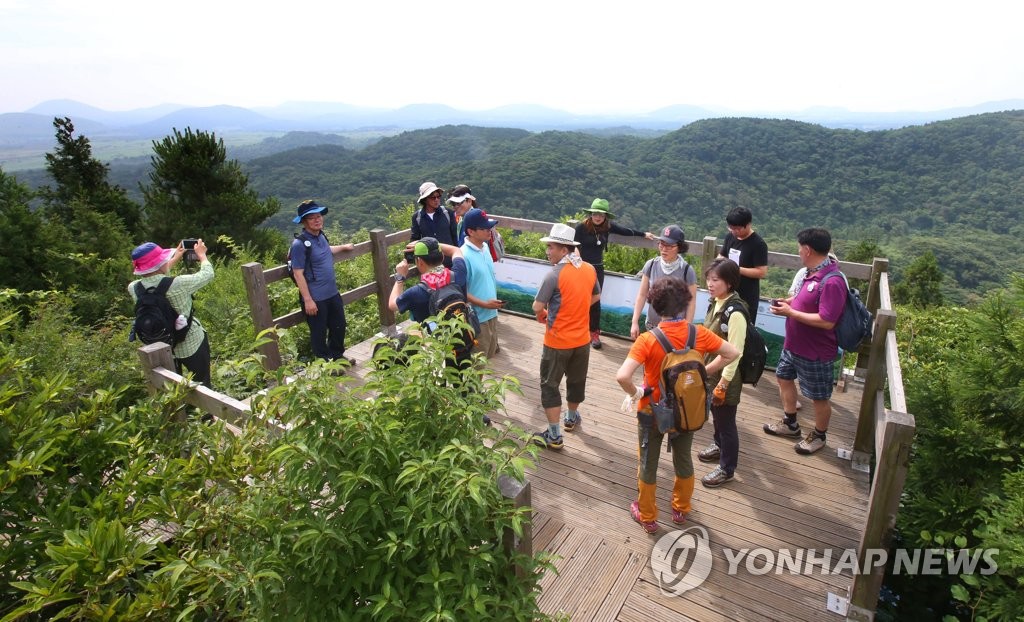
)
(477, 219)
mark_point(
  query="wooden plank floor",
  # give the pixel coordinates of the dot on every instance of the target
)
(581, 496)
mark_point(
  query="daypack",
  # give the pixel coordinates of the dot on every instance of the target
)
(685, 401)
(307, 272)
(449, 301)
(855, 324)
(755, 351)
(497, 245)
(155, 318)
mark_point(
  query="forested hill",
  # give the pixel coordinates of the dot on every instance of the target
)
(954, 187)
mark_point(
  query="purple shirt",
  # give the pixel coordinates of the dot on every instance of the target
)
(811, 342)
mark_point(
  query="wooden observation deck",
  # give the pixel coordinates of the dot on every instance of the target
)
(819, 508)
(581, 497)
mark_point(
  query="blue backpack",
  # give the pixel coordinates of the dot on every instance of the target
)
(855, 324)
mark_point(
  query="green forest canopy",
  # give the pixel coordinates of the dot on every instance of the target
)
(955, 188)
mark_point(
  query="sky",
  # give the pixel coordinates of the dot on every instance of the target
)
(583, 56)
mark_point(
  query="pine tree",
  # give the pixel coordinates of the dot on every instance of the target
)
(81, 177)
(195, 191)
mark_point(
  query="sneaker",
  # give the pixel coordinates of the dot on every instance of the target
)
(595, 339)
(716, 478)
(811, 443)
(634, 510)
(781, 428)
(711, 453)
(570, 422)
(678, 517)
(544, 439)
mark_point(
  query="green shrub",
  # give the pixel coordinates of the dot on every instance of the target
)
(964, 378)
(378, 502)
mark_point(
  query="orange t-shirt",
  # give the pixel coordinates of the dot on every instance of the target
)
(649, 353)
(568, 291)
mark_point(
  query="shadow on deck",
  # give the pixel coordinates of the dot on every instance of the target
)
(778, 501)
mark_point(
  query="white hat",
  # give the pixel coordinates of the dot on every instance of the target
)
(428, 188)
(462, 197)
(562, 234)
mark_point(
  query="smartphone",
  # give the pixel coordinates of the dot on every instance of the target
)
(189, 243)
(776, 302)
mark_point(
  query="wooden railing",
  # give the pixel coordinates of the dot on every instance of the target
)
(888, 434)
(883, 432)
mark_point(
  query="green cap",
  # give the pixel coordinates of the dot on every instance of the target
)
(426, 247)
(600, 206)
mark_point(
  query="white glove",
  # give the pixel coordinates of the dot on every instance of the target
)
(629, 404)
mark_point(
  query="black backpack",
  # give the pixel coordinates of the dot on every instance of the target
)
(755, 351)
(448, 302)
(155, 317)
(854, 325)
(308, 243)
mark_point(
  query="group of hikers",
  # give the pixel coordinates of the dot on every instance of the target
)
(456, 248)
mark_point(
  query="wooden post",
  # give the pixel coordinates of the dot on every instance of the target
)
(873, 302)
(382, 274)
(519, 492)
(155, 356)
(259, 308)
(709, 251)
(874, 381)
(886, 490)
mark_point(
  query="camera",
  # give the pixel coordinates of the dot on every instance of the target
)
(410, 258)
(189, 244)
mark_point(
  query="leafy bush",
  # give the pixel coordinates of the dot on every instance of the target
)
(378, 502)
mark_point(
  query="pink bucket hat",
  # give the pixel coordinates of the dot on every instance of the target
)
(149, 257)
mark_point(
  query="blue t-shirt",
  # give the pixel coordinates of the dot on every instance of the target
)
(416, 299)
(480, 279)
(319, 274)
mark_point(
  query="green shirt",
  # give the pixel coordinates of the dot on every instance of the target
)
(180, 296)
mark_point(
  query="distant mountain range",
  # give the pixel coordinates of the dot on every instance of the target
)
(35, 125)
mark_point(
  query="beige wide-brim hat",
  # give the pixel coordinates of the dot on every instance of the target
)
(561, 234)
(428, 188)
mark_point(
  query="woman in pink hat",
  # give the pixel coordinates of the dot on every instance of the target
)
(152, 264)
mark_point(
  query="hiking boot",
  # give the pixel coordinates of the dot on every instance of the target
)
(545, 440)
(711, 453)
(595, 339)
(812, 442)
(678, 517)
(649, 527)
(781, 428)
(571, 422)
(716, 478)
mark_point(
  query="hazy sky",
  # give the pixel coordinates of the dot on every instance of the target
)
(585, 56)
